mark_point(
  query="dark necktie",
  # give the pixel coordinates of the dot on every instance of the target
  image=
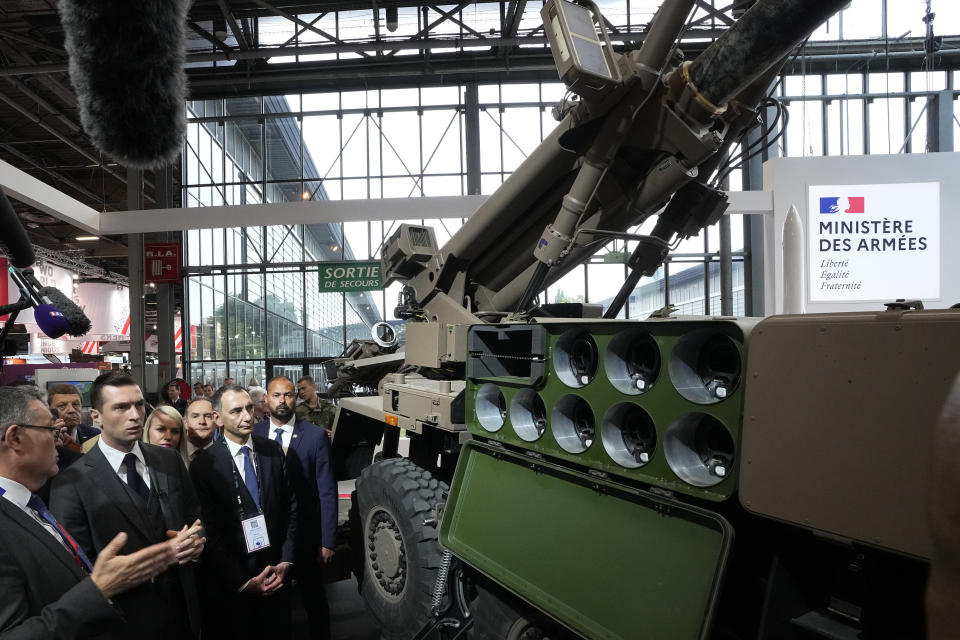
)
(36, 503)
(279, 438)
(250, 476)
(134, 480)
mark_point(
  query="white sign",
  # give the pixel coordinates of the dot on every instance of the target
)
(874, 242)
(106, 305)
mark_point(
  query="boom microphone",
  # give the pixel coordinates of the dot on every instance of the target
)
(126, 65)
(53, 312)
(14, 236)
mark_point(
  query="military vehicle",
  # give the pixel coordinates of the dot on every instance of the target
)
(577, 476)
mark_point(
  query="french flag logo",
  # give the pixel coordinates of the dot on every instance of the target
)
(855, 204)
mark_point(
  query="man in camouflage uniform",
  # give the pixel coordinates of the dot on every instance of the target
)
(313, 408)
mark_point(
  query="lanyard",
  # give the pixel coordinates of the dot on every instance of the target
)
(237, 482)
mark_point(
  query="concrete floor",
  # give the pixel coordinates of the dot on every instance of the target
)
(349, 619)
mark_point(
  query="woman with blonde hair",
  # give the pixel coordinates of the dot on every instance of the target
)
(164, 428)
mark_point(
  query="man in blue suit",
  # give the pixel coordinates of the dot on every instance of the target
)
(307, 451)
(251, 517)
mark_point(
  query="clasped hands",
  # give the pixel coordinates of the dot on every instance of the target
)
(269, 581)
(189, 542)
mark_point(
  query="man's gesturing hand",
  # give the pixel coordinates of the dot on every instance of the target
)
(115, 574)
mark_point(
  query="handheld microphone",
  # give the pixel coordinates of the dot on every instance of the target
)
(49, 306)
(126, 65)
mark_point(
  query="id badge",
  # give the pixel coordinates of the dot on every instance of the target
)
(255, 533)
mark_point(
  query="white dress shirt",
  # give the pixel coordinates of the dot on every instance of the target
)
(20, 495)
(285, 429)
(115, 460)
(237, 455)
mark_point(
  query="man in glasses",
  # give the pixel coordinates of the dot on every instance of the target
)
(50, 588)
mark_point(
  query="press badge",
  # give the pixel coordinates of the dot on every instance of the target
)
(255, 533)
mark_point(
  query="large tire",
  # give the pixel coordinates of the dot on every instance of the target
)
(401, 556)
(498, 615)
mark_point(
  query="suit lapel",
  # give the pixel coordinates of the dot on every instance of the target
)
(106, 480)
(266, 476)
(296, 441)
(159, 480)
(35, 530)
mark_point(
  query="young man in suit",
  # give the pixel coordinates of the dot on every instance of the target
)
(49, 588)
(307, 450)
(251, 517)
(123, 484)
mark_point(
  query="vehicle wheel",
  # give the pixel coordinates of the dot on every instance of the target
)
(498, 615)
(401, 556)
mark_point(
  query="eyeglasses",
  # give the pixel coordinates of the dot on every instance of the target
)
(54, 431)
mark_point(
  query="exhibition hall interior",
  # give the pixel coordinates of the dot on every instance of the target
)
(604, 319)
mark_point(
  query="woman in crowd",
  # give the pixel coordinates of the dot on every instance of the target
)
(164, 427)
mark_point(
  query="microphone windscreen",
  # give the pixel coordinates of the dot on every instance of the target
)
(126, 65)
(50, 320)
(14, 236)
(77, 321)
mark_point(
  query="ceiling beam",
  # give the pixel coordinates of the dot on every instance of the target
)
(315, 212)
(41, 196)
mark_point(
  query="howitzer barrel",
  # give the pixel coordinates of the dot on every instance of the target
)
(754, 43)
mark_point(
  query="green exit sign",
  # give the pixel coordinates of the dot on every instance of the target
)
(350, 276)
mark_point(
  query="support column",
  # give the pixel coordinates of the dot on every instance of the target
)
(940, 121)
(472, 137)
(726, 268)
(753, 295)
(135, 269)
(166, 293)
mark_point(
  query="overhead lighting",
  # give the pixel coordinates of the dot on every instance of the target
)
(305, 195)
(335, 248)
(86, 238)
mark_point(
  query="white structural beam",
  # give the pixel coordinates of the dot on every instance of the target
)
(41, 196)
(26, 188)
(755, 202)
(314, 212)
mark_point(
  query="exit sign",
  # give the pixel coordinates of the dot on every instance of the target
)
(350, 276)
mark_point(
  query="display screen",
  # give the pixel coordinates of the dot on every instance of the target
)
(82, 385)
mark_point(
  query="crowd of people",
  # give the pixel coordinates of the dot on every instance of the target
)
(195, 518)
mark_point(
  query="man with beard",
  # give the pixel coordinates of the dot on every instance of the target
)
(307, 452)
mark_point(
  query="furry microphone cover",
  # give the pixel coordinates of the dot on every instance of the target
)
(126, 65)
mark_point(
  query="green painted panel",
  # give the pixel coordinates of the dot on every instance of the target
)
(608, 561)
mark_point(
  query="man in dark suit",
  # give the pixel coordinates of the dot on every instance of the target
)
(173, 393)
(68, 402)
(244, 489)
(123, 484)
(49, 588)
(307, 451)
